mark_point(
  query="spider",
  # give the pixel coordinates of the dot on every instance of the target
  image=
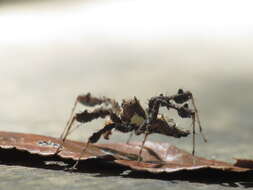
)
(131, 117)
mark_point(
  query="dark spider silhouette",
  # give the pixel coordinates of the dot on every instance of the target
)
(131, 117)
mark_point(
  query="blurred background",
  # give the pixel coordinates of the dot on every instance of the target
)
(52, 51)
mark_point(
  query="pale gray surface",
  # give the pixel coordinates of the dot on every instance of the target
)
(16, 177)
(46, 62)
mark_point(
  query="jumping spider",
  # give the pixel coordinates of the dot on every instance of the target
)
(131, 117)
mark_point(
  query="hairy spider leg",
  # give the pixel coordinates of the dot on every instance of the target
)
(152, 115)
(198, 120)
(70, 118)
(96, 136)
(183, 111)
(89, 100)
(160, 126)
(130, 137)
(193, 134)
(184, 96)
(67, 128)
(74, 167)
(142, 145)
(87, 116)
(65, 134)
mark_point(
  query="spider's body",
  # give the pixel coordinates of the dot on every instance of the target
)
(131, 117)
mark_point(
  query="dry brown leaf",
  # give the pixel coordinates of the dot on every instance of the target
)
(156, 157)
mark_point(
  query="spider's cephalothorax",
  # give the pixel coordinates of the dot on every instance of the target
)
(131, 117)
(132, 112)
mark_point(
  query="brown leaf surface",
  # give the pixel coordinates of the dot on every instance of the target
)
(45, 146)
(244, 163)
(156, 157)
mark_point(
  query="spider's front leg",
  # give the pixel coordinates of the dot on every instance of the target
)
(87, 116)
(87, 100)
(91, 101)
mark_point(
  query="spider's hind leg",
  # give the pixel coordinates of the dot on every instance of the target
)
(198, 120)
(184, 96)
